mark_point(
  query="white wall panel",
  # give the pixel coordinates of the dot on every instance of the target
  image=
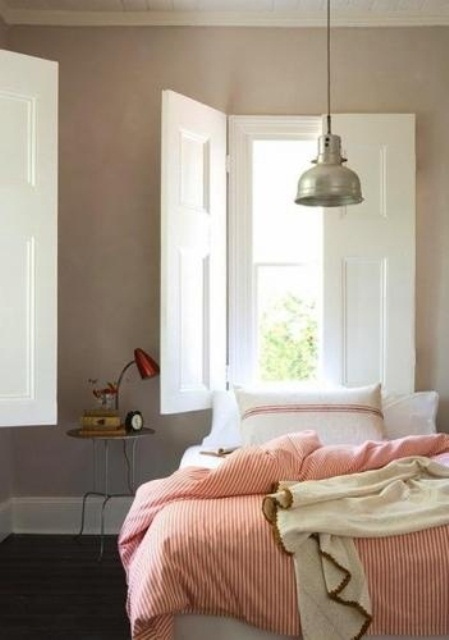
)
(28, 244)
(193, 260)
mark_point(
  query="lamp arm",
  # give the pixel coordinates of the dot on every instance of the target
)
(119, 382)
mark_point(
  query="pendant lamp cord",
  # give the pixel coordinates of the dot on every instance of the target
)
(328, 27)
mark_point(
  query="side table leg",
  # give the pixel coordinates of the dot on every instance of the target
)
(105, 501)
(133, 466)
(94, 467)
(83, 509)
(106, 495)
(95, 492)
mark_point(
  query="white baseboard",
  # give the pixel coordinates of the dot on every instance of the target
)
(62, 515)
(5, 519)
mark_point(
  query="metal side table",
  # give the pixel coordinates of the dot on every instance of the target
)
(132, 437)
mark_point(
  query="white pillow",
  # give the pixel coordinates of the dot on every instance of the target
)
(411, 414)
(225, 432)
(338, 416)
(404, 415)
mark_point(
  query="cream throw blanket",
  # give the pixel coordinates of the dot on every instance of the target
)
(316, 520)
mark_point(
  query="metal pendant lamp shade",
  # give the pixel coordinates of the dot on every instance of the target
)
(329, 183)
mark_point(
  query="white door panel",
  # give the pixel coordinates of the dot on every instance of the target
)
(369, 258)
(193, 260)
(28, 247)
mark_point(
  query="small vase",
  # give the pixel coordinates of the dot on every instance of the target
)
(106, 401)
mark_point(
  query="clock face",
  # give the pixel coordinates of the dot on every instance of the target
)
(136, 421)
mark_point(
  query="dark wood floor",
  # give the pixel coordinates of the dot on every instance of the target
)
(54, 588)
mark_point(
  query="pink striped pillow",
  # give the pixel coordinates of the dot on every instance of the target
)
(339, 416)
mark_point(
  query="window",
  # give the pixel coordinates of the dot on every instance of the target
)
(287, 265)
(347, 289)
(275, 254)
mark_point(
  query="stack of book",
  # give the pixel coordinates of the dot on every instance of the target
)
(101, 422)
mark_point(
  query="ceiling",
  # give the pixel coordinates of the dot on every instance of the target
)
(282, 13)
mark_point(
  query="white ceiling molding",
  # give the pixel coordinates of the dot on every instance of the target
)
(249, 13)
(214, 19)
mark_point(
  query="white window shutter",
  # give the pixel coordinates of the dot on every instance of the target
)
(369, 258)
(28, 240)
(193, 253)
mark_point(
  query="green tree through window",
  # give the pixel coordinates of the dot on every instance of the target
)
(289, 340)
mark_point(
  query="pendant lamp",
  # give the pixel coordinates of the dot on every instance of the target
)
(329, 183)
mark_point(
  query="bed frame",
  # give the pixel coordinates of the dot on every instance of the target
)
(207, 627)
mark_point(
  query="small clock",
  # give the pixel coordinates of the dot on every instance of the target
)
(134, 421)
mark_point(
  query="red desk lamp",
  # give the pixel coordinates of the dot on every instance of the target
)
(148, 368)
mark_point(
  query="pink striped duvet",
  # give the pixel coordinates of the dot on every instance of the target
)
(197, 542)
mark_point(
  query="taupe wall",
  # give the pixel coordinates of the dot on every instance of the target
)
(3, 30)
(110, 94)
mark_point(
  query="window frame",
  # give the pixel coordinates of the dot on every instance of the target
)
(368, 248)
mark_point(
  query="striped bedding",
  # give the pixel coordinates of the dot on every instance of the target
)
(197, 542)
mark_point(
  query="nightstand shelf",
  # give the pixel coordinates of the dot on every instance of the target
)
(97, 438)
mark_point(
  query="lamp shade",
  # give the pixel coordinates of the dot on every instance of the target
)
(329, 183)
(148, 368)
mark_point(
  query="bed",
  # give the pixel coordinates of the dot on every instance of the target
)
(177, 589)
